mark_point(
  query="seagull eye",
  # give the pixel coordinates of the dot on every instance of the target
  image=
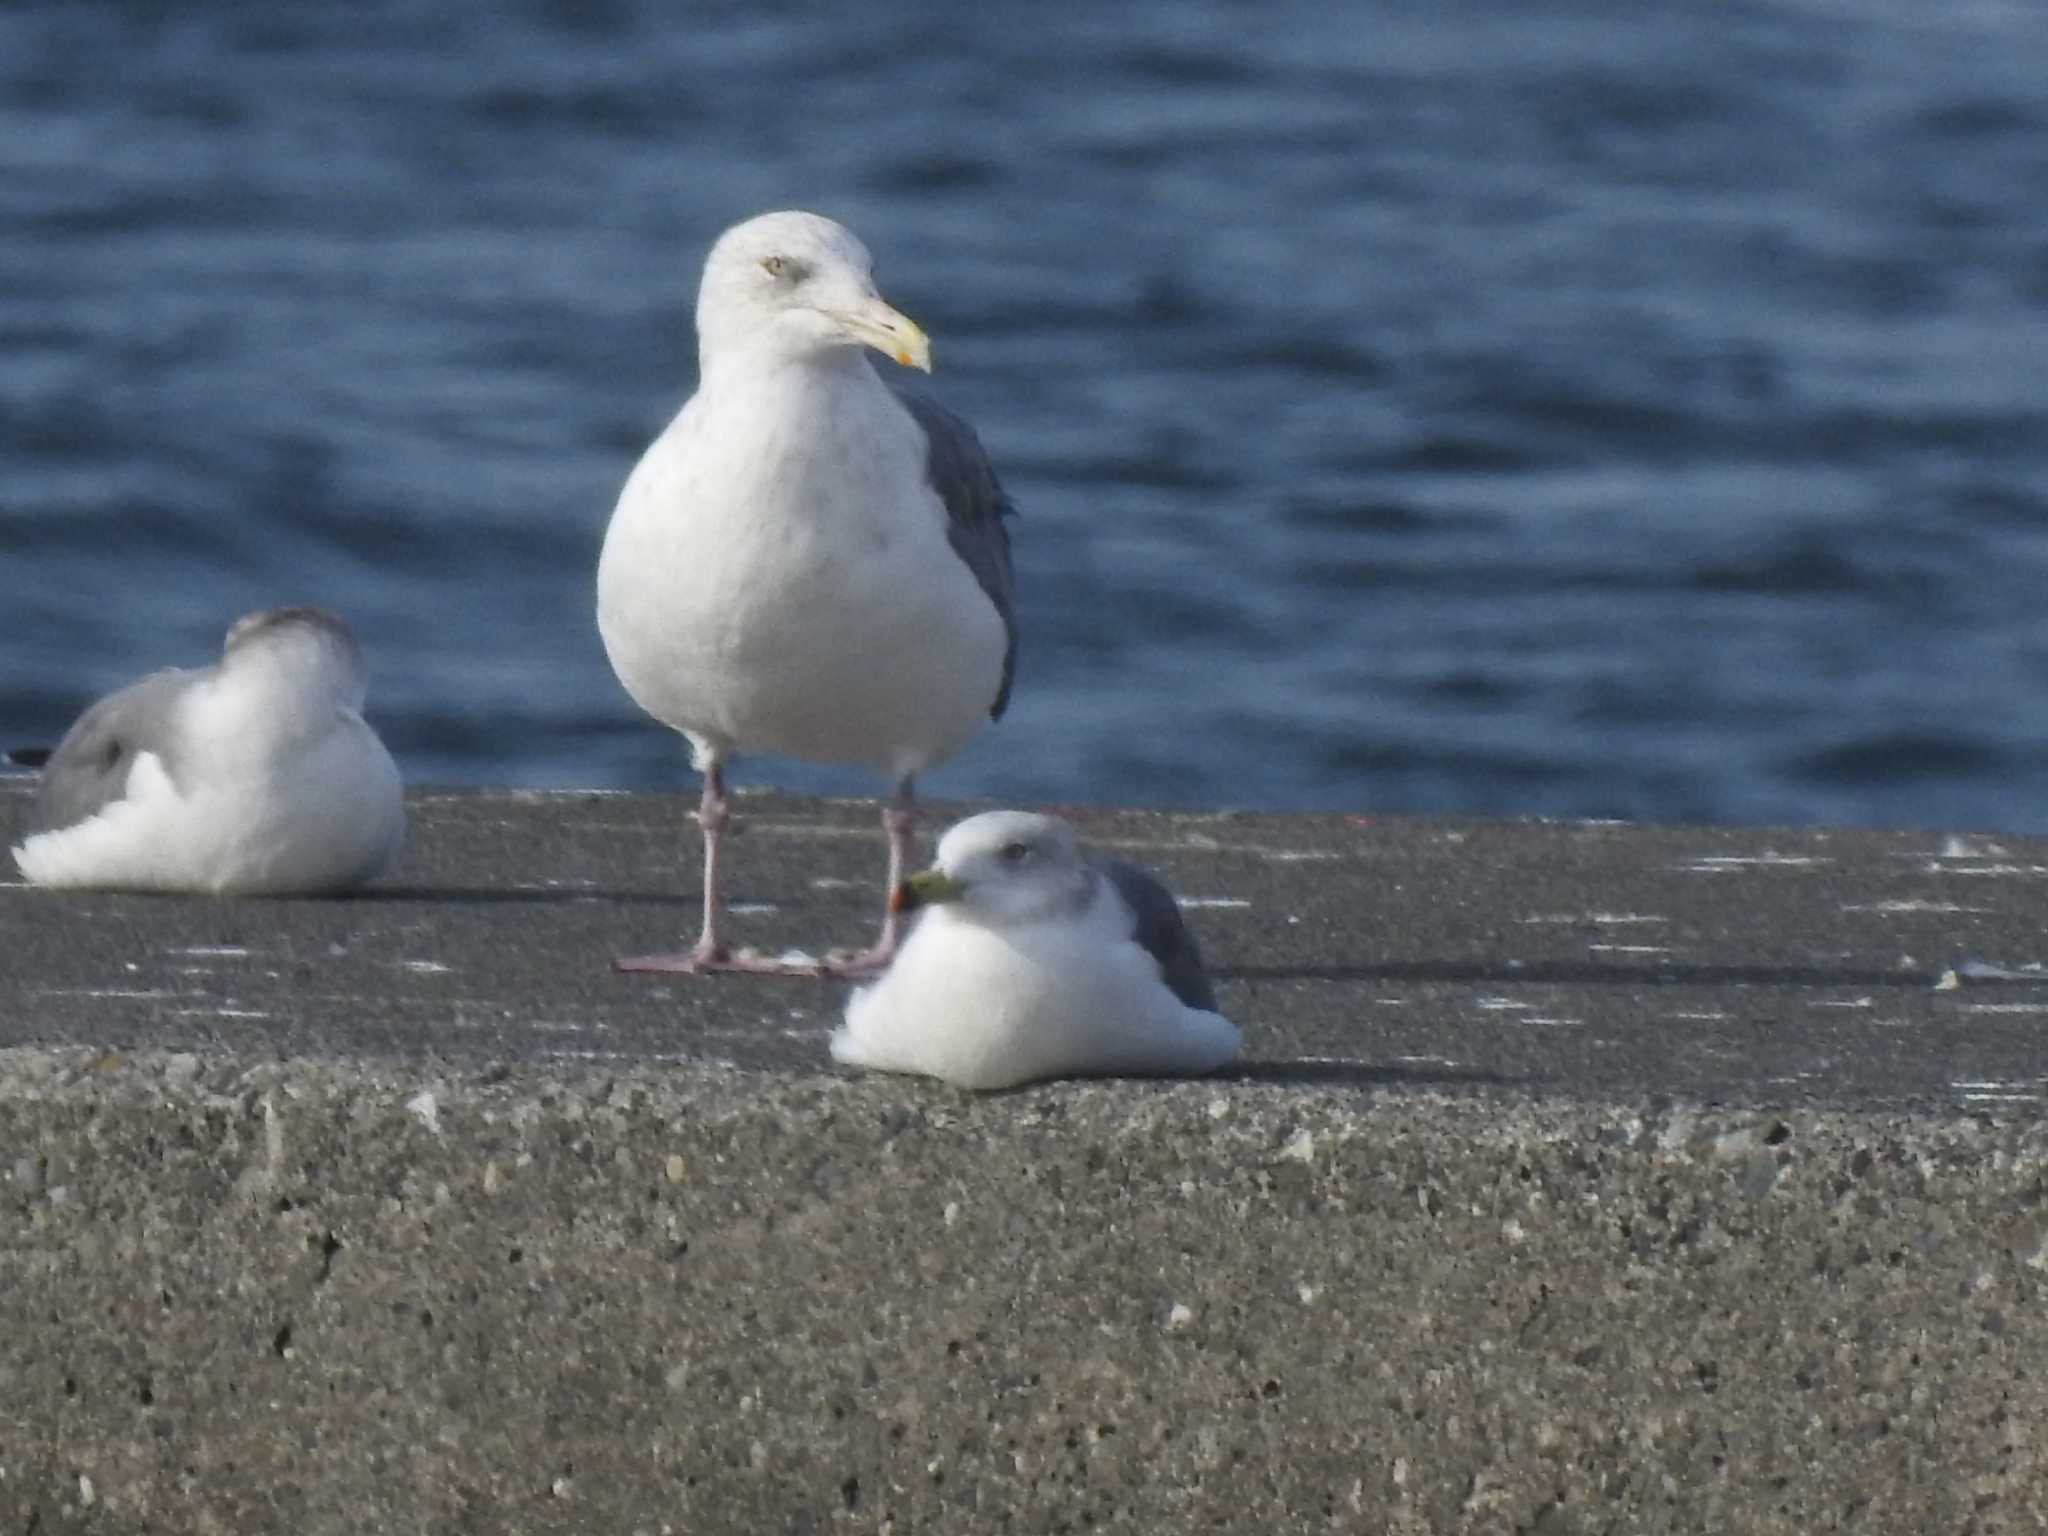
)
(1014, 853)
(788, 268)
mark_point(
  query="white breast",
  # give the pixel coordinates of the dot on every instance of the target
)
(986, 1008)
(777, 577)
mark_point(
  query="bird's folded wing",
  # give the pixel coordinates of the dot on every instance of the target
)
(976, 505)
(89, 769)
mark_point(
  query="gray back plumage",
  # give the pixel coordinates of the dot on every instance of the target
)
(89, 768)
(975, 508)
(1162, 934)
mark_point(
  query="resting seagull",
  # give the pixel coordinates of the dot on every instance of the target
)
(1033, 962)
(256, 776)
(808, 561)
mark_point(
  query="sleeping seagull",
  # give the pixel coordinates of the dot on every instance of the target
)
(808, 561)
(256, 776)
(1033, 962)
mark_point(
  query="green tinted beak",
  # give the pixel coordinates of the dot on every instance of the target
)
(926, 889)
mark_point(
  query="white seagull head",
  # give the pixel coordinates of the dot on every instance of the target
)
(797, 285)
(301, 652)
(1005, 867)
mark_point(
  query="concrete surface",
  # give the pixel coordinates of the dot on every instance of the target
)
(1582, 1178)
(1735, 966)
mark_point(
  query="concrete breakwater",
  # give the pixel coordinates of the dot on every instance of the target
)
(1579, 1178)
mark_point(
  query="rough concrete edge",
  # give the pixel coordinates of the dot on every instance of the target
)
(1262, 1120)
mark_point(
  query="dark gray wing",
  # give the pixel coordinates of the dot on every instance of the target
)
(975, 508)
(1162, 934)
(90, 767)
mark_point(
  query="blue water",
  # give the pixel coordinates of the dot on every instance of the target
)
(1587, 408)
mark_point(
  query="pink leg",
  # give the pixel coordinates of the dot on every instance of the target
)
(712, 953)
(899, 821)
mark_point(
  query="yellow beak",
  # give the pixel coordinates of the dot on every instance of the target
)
(889, 331)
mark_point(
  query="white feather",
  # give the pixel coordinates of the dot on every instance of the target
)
(777, 574)
(1012, 988)
(799, 599)
(282, 788)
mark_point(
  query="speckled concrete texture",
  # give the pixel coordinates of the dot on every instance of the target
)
(1816, 968)
(254, 1295)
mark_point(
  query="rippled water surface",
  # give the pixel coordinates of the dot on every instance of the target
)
(1587, 409)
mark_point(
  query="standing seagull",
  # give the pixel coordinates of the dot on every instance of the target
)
(808, 561)
(256, 776)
